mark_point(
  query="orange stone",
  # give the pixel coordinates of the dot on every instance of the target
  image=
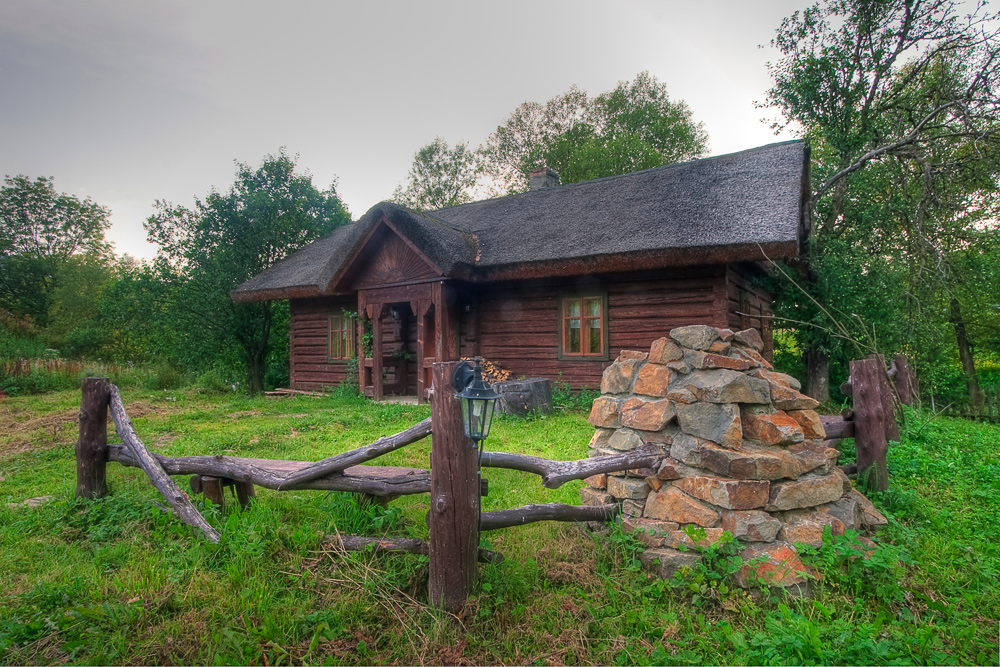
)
(646, 415)
(597, 481)
(702, 360)
(632, 355)
(617, 378)
(733, 494)
(776, 428)
(664, 350)
(604, 412)
(652, 380)
(679, 538)
(776, 564)
(672, 504)
(810, 423)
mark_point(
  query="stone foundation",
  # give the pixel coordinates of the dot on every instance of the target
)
(745, 455)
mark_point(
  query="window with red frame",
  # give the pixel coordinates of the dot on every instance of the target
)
(584, 326)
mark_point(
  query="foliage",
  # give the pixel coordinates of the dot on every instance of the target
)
(897, 99)
(440, 176)
(111, 581)
(634, 126)
(40, 229)
(227, 238)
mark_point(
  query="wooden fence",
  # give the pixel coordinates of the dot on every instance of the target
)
(453, 482)
(989, 413)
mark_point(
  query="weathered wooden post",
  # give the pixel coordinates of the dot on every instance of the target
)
(874, 421)
(905, 380)
(92, 447)
(454, 502)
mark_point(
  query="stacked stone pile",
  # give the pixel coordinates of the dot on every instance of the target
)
(744, 454)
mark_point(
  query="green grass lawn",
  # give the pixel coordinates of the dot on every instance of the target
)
(119, 581)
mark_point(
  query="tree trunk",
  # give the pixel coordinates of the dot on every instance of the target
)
(817, 373)
(976, 396)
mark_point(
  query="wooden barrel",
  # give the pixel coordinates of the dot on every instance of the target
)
(522, 397)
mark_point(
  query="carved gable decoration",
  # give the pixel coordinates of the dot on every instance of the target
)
(387, 259)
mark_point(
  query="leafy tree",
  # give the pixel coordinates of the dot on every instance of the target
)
(904, 88)
(40, 229)
(634, 126)
(440, 176)
(229, 237)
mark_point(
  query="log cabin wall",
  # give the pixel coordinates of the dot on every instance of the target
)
(749, 305)
(309, 365)
(517, 324)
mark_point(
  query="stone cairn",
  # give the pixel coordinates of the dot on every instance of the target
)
(744, 455)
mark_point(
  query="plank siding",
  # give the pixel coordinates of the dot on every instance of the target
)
(518, 323)
(309, 366)
(749, 305)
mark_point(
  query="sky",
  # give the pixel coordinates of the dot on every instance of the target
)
(132, 102)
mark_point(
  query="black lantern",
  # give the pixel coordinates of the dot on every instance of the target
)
(478, 400)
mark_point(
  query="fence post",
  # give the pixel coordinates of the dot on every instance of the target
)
(92, 446)
(905, 380)
(454, 501)
(870, 386)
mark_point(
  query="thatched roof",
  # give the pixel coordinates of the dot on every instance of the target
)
(728, 208)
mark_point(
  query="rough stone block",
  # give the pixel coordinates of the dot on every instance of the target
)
(640, 472)
(775, 428)
(808, 528)
(719, 423)
(625, 440)
(632, 355)
(652, 380)
(809, 422)
(733, 494)
(847, 509)
(722, 385)
(663, 437)
(720, 347)
(664, 350)
(775, 378)
(618, 377)
(749, 338)
(814, 456)
(751, 525)
(679, 367)
(676, 539)
(654, 482)
(650, 532)
(670, 469)
(695, 336)
(632, 507)
(590, 496)
(804, 492)
(755, 358)
(604, 412)
(708, 360)
(682, 396)
(663, 563)
(597, 481)
(774, 564)
(871, 518)
(600, 438)
(672, 504)
(647, 415)
(687, 449)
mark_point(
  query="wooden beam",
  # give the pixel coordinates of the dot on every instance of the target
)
(556, 473)
(454, 502)
(338, 463)
(397, 544)
(548, 512)
(92, 445)
(160, 479)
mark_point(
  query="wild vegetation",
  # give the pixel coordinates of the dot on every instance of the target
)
(119, 581)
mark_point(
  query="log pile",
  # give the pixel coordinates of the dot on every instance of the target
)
(744, 454)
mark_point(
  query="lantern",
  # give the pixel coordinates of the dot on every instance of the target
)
(478, 400)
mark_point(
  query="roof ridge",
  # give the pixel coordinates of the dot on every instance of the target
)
(663, 167)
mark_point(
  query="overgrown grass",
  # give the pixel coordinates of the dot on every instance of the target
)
(119, 581)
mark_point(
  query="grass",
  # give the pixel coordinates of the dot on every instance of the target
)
(119, 581)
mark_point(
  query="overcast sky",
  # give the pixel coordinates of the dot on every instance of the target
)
(128, 102)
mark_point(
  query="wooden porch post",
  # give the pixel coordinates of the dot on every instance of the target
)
(454, 511)
(92, 446)
(377, 351)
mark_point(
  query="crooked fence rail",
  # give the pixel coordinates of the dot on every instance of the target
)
(453, 481)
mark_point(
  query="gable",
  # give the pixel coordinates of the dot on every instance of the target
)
(385, 258)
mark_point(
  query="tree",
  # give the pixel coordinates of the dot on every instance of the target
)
(634, 126)
(440, 176)
(40, 229)
(229, 237)
(905, 88)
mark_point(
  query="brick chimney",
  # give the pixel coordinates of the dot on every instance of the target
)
(543, 177)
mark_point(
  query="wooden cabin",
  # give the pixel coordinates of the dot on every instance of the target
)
(552, 282)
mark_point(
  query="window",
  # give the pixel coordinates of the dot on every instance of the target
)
(341, 337)
(583, 325)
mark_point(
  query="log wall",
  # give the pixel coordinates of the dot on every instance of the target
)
(309, 366)
(749, 306)
(518, 323)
